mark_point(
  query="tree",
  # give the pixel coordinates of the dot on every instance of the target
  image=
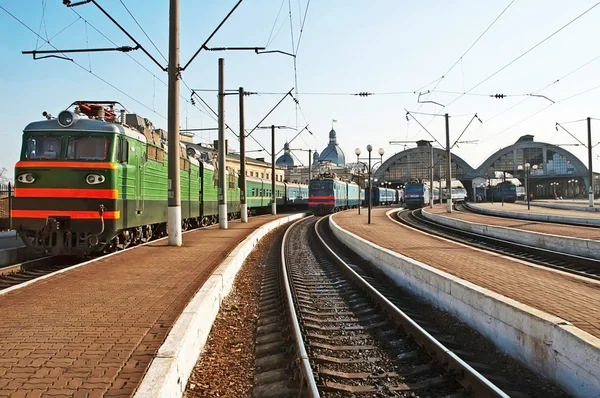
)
(4, 178)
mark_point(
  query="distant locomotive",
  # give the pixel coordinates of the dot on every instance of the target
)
(416, 194)
(86, 183)
(329, 194)
(504, 188)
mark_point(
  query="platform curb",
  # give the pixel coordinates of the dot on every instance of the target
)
(565, 244)
(536, 217)
(549, 345)
(171, 367)
(561, 207)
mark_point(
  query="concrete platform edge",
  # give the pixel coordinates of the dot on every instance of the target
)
(564, 244)
(567, 207)
(170, 369)
(545, 343)
(535, 217)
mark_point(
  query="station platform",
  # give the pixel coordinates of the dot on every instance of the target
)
(93, 330)
(573, 298)
(574, 231)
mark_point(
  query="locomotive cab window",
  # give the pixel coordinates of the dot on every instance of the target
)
(123, 150)
(43, 147)
(90, 147)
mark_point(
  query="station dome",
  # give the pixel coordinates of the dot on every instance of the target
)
(333, 153)
(286, 159)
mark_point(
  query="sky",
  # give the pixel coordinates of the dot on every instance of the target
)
(390, 48)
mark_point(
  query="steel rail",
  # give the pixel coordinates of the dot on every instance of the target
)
(25, 265)
(468, 377)
(302, 355)
(504, 247)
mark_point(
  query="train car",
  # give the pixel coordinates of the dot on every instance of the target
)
(296, 196)
(258, 195)
(416, 194)
(506, 188)
(353, 195)
(382, 196)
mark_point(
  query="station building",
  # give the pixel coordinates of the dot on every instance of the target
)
(554, 172)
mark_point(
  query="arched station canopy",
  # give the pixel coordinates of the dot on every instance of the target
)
(415, 163)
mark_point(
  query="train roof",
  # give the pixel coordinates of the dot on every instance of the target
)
(84, 125)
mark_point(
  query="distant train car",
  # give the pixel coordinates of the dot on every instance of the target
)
(354, 195)
(382, 196)
(296, 196)
(416, 194)
(506, 188)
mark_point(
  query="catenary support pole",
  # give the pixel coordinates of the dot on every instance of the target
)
(449, 165)
(174, 200)
(370, 190)
(590, 171)
(309, 165)
(243, 205)
(440, 192)
(431, 175)
(222, 150)
(273, 197)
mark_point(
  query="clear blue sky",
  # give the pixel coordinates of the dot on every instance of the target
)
(347, 46)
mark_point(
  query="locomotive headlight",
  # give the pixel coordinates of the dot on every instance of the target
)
(27, 178)
(93, 179)
(66, 118)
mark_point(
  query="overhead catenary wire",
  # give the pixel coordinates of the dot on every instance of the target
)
(133, 59)
(302, 26)
(527, 51)
(556, 81)
(274, 24)
(518, 58)
(84, 68)
(142, 29)
(467, 51)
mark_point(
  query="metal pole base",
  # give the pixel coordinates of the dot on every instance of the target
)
(174, 225)
(223, 216)
(273, 208)
(449, 201)
(591, 200)
(244, 212)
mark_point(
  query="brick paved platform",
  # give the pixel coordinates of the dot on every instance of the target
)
(535, 226)
(572, 298)
(522, 208)
(93, 331)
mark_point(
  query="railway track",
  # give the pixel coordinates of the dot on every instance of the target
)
(17, 274)
(345, 337)
(589, 268)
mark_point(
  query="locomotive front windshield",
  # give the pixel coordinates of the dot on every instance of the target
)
(320, 187)
(414, 189)
(87, 148)
(78, 147)
(43, 147)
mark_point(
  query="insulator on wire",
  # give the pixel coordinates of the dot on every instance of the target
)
(498, 95)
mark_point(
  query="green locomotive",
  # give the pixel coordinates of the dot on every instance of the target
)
(90, 180)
